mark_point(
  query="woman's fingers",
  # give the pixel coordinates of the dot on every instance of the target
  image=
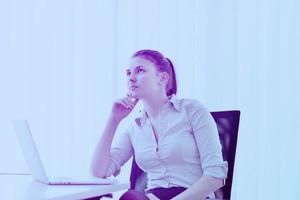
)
(127, 103)
(133, 100)
(121, 103)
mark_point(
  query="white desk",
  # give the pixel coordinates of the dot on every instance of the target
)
(23, 187)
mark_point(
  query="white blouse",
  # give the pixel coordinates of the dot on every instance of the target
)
(187, 146)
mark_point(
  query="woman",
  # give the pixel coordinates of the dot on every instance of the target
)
(175, 141)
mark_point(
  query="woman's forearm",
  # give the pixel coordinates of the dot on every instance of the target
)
(101, 157)
(201, 189)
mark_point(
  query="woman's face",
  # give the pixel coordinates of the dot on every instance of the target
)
(143, 79)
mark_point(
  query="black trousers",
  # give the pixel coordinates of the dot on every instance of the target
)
(161, 193)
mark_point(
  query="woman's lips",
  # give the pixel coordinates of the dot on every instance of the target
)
(133, 87)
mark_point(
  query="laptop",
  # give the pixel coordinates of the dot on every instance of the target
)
(35, 165)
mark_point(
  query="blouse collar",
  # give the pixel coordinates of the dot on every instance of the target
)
(173, 100)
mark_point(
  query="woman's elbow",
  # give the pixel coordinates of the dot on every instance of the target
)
(218, 183)
(215, 183)
(96, 172)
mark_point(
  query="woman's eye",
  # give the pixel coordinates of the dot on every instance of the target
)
(140, 70)
(128, 73)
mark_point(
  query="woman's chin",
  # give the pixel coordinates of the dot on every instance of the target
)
(135, 96)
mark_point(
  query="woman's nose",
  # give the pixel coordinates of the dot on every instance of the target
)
(132, 78)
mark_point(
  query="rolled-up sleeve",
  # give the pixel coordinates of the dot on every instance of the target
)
(208, 141)
(120, 152)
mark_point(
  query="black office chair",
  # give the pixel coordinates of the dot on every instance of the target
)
(228, 124)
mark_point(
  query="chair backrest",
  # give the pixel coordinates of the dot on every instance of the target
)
(228, 124)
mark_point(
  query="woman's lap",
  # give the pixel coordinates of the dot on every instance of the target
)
(134, 195)
(166, 193)
(161, 193)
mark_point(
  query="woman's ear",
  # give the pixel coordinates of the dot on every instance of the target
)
(164, 78)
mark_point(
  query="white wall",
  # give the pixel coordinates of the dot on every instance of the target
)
(62, 65)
